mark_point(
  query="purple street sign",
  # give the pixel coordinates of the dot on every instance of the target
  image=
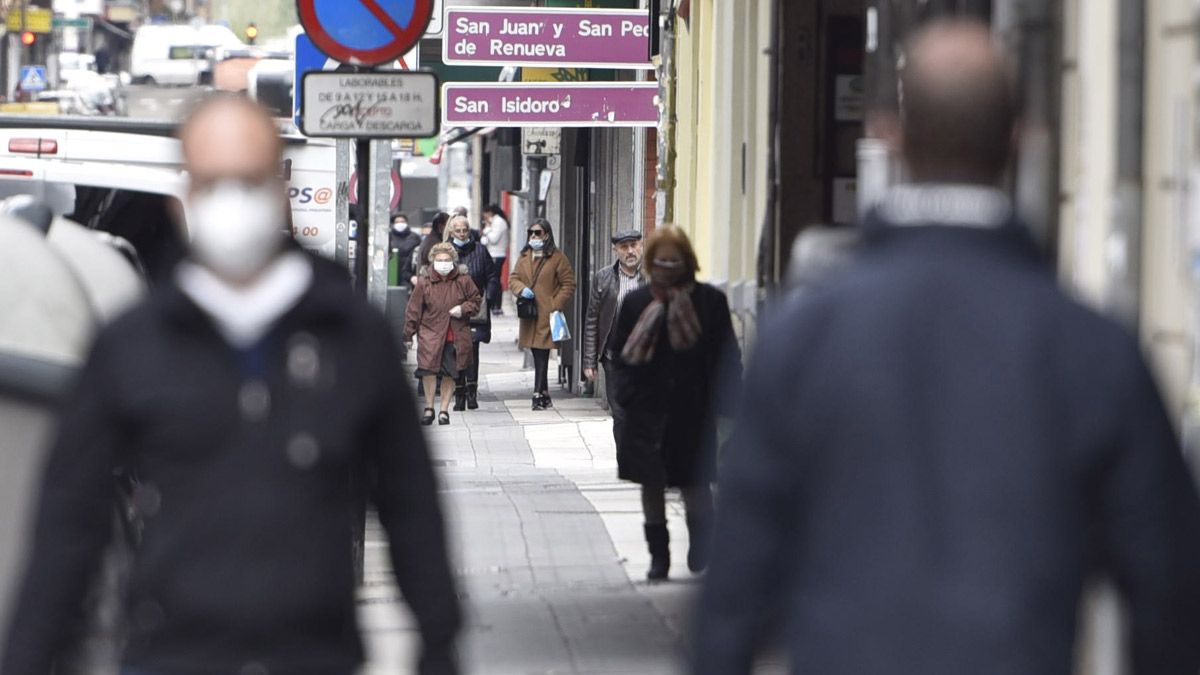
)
(545, 36)
(535, 104)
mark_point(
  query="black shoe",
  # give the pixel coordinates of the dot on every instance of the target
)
(537, 403)
(546, 402)
(472, 396)
(427, 418)
(699, 536)
(443, 418)
(659, 542)
(460, 399)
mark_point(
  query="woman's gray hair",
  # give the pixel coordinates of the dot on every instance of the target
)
(441, 248)
(446, 236)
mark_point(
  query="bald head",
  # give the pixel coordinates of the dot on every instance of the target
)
(230, 137)
(958, 105)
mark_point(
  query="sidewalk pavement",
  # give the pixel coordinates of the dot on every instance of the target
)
(547, 543)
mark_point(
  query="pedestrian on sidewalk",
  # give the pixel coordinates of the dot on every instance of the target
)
(672, 347)
(439, 314)
(544, 280)
(437, 235)
(474, 255)
(939, 447)
(610, 286)
(404, 244)
(218, 394)
(496, 237)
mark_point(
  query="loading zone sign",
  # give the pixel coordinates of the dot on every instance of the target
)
(379, 104)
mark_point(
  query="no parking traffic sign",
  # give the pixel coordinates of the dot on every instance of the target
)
(365, 32)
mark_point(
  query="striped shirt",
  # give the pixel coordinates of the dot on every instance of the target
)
(628, 284)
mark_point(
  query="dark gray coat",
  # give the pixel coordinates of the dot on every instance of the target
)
(245, 458)
(601, 313)
(672, 403)
(937, 448)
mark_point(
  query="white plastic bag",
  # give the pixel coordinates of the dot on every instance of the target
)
(558, 327)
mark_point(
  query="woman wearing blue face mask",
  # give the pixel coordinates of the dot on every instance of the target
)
(486, 275)
(544, 282)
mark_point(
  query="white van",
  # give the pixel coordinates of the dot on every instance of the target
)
(126, 177)
(177, 55)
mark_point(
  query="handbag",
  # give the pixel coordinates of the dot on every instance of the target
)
(480, 318)
(559, 332)
(527, 307)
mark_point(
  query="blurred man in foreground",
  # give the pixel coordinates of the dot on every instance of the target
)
(939, 447)
(242, 396)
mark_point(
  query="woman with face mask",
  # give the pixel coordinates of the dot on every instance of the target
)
(438, 314)
(475, 257)
(542, 279)
(677, 360)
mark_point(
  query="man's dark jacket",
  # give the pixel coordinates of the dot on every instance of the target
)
(601, 313)
(245, 491)
(936, 450)
(403, 244)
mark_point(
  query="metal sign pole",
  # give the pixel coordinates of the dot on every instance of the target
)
(381, 207)
(342, 176)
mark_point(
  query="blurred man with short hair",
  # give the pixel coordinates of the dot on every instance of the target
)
(938, 447)
(242, 396)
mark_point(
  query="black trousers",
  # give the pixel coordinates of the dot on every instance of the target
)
(471, 374)
(610, 391)
(541, 368)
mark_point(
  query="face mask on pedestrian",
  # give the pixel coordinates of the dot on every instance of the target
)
(400, 226)
(536, 244)
(236, 227)
(443, 267)
(666, 273)
(460, 242)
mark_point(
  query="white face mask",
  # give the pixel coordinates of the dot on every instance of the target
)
(236, 228)
(443, 267)
(536, 244)
(400, 227)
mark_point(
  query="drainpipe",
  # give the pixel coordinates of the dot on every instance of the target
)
(665, 174)
(1124, 245)
(768, 245)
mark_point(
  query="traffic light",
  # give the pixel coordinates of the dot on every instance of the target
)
(251, 33)
(28, 38)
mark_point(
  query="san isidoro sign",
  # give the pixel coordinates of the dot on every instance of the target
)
(546, 36)
(533, 104)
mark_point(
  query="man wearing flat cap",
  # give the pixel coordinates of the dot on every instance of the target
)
(609, 288)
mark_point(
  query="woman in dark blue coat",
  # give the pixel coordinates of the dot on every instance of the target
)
(673, 347)
(486, 276)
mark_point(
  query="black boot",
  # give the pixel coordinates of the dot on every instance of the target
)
(472, 396)
(658, 541)
(460, 398)
(537, 403)
(699, 539)
(546, 402)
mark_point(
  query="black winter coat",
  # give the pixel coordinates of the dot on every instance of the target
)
(403, 247)
(486, 276)
(672, 403)
(937, 448)
(245, 460)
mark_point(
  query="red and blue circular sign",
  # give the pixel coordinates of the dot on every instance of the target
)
(365, 32)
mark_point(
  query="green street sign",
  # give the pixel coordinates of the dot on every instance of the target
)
(82, 23)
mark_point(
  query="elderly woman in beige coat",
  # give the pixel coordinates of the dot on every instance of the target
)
(544, 276)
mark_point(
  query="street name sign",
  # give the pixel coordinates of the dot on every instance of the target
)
(79, 22)
(378, 104)
(365, 32)
(531, 104)
(546, 36)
